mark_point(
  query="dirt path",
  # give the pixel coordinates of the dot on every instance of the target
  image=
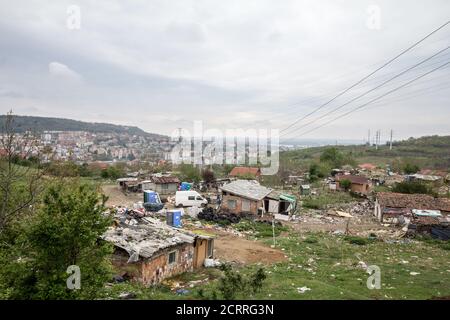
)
(232, 248)
(116, 197)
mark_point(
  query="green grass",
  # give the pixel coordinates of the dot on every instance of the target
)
(259, 229)
(426, 152)
(328, 265)
(322, 200)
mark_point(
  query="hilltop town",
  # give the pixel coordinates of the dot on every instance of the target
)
(176, 228)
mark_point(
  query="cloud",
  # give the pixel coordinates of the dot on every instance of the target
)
(228, 63)
(60, 70)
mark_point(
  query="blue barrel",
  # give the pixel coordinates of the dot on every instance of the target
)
(177, 219)
(151, 196)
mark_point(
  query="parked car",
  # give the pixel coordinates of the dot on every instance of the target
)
(189, 199)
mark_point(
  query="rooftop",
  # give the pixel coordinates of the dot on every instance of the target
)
(353, 179)
(147, 238)
(412, 201)
(242, 171)
(250, 189)
(163, 180)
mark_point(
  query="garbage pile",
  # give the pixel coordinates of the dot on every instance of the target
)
(357, 208)
(209, 214)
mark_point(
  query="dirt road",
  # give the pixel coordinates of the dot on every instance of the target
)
(232, 248)
(116, 197)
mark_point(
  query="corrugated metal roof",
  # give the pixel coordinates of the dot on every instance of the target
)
(412, 201)
(163, 180)
(147, 238)
(250, 189)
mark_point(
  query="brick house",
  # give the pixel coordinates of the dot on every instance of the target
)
(243, 196)
(152, 251)
(359, 184)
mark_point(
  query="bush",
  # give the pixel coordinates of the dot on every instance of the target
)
(412, 187)
(310, 240)
(357, 240)
(410, 168)
(235, 285)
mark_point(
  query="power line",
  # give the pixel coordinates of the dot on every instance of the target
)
(367, 76)
(367, 92)
(376, 99)
(283, 115)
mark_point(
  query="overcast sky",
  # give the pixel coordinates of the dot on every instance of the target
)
(162, 64)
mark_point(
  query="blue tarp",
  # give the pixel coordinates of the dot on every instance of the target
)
(185, 186)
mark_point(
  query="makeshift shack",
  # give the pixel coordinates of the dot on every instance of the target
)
(244, 196)
(151, 251)
(358, 184)
(418, 213)
(278, 202)
(164, 185)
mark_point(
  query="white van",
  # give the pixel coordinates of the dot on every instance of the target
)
(189, 199)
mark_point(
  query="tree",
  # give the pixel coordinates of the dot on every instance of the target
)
(189, 173)
(318, 171)
(410, 168)
(208, 176)
(333, 156)
(412, 187)
(65, 232)
(345, 183)
(19, 185)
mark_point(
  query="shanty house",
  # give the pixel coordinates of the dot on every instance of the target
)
(247, 172)
(278, 202)
(129, 184)
(152, 251)
(391, 204)
(244, 196)
(305, 189)
(164, 185)
(367, 166)
(358, 184)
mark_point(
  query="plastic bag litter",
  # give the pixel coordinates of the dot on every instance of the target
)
(211, 263)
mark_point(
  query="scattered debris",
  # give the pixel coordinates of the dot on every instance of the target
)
(303, 289)
(127, 295)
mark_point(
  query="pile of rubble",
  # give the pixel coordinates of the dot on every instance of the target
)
(356, 208)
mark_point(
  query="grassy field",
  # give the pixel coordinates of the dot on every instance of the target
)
(330, 267)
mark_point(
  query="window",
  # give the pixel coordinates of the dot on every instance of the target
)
(231, 204)
(245, 205)
(164, 186)
(172, 257)
(210, 248)
(191, 198)
(199, 198)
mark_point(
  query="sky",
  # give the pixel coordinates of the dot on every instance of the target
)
(259, 64)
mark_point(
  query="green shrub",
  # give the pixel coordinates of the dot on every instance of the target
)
(357, 240)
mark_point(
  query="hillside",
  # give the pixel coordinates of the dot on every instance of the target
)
(427, 152)
(39, 124)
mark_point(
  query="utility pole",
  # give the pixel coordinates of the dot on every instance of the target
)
(368, 138)
(390, 142)
(377, 137)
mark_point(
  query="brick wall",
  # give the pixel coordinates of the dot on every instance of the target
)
(156, 269)
(254, 205)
